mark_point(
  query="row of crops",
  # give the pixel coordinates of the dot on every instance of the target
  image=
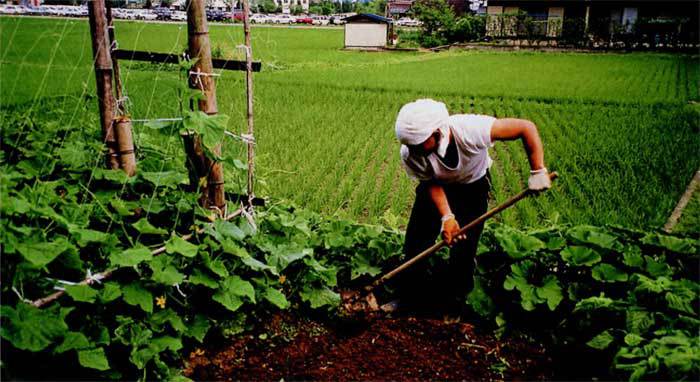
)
(627, 300)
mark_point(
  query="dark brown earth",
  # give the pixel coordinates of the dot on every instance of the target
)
(404, 348)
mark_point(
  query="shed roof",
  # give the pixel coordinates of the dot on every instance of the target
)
(368, 17)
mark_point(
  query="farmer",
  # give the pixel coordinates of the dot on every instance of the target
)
(448, 155)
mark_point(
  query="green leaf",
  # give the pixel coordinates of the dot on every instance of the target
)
(166, 342)
(144, 227)
(657, 268)
(232, 290)
(327, 274)
(41, 254)
(122, 207)
(601, 341)
(257, 265)
(81, 292)
(593, 235)
(167, 315)
(135, 294)
(227, 229)
(114, 176)
(577, 255)
(198, 328)
(517, 244)
(217, 266)
(360, 265)
(72, 340)
(632, 257)
(180, 246)
(632, 339)
(681, 301)
(93, 359)
(210, 127)
(639, 321)
(200, 278)
(110, 292)
(130, 257)
(685, 246)
(319, 297)
(479, 300)
(164, 272)
(30, 328)
(550, 291)
(608, 273)
(599, 302)
(85, 236)
(166, 178)
(276, 297)
(283, 256)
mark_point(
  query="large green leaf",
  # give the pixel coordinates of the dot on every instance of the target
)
(285, 255)
(479, 299)
(199, 277)
(180, 246)
(276, 297)
(198, 328)
(41, 254)
(517, 244)
(232, 291)
(580, 256)
(85, 236)
(130, 257)
(593, 235)
(165, 178)
(72, 340)
(210, 127)
(30, 328)
(135, 294)
(675, 244)
(81, 292)
(110, 292)
(601, 341)
(360, 265)
(319, 297)
(639, 321)
(94, 359)
(550, 291)
(608, 273)
(164, 272)
(144, 227)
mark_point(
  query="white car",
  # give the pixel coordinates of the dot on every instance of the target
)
(178, 16)
(259, 19)
(283, 19)
(321, 20)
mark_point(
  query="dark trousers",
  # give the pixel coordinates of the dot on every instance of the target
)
(435, 283)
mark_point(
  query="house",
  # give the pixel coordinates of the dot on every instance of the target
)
(595, 16)
(399, 8)
(367, 31)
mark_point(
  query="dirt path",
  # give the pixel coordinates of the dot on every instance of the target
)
(405, 349)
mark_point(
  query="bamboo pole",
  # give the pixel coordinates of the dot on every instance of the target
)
(249, 95)
(103, 77)
(201, 77)
(121, 109)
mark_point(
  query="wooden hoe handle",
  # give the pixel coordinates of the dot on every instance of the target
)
(514, 199)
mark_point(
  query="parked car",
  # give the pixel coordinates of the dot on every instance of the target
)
(304, 20)
(178, 16)
(258, 18)
(162, 13)
(283, 19)
(320, 20)
(337, 19)
(215, 15)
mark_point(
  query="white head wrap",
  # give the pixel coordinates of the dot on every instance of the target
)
(418, 120)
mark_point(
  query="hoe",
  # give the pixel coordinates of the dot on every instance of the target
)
(363, 301)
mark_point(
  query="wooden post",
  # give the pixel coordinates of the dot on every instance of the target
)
(122, 124)
(249, 95)
(103, 77)
(201, 78)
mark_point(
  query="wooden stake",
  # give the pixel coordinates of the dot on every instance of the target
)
(115, 62)
(249, 95)
(103, 77)
(125, 142)
(202, 79)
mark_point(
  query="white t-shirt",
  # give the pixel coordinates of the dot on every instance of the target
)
(472, 134)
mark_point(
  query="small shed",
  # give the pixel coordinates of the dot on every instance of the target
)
(367, 31)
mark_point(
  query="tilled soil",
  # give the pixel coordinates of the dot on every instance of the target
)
(403, 348)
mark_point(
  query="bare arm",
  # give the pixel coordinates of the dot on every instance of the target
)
(507, 129)
(437, 194)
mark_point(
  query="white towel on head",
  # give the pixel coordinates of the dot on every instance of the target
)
(419, 119)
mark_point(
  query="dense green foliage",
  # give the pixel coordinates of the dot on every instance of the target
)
(631, 294)
(617, 127)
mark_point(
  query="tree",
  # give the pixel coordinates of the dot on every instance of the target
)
(166, 3)
(438, 20)
(297, 10)
(267, 6)
(315, 10)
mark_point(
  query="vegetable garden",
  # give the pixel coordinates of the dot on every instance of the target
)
(578, 272)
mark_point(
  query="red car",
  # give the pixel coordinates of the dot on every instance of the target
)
(305, 20)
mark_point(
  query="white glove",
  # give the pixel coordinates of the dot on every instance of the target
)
(539, 180)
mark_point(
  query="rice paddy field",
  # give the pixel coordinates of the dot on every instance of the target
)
(622, 130)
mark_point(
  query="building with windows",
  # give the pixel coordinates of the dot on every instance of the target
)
(287, 5)
(597, 15)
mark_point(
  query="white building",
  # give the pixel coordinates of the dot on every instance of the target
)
(287, 5)
(366, 31)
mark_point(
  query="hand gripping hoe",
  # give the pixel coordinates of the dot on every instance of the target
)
(364, 301)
